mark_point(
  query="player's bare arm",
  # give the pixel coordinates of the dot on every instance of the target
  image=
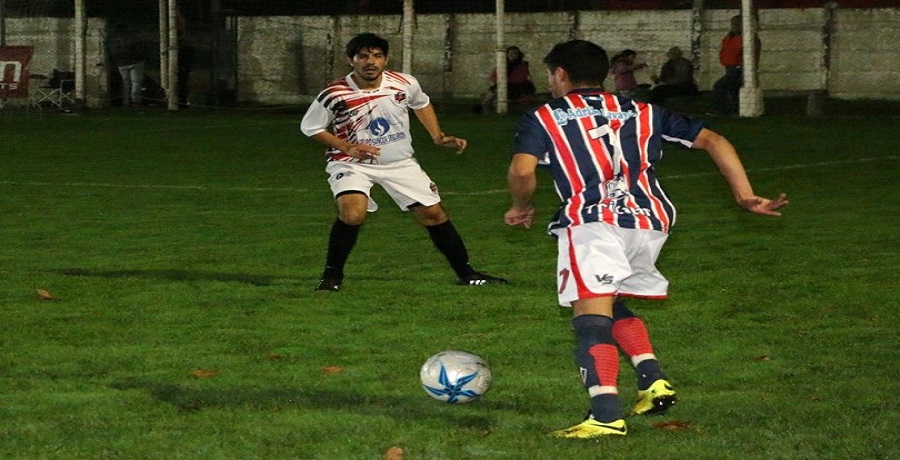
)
(521, 181)
(429, 120)
(359, 151)
(726, 158)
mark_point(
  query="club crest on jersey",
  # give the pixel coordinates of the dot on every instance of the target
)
(399, 97)
(379, 127)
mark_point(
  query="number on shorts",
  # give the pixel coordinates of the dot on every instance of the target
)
(564, 274)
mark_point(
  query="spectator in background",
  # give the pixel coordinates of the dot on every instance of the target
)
(676, 78)
(185, 62)
(726, 90)
(623, 67)
(518, 81)
(127, 53)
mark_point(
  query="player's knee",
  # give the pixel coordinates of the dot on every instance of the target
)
(352, 216)
(352, 207)
(430, 215)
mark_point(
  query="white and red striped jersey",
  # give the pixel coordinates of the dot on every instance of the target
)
(601, 149)
(379, 117)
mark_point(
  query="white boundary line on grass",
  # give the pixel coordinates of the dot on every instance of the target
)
(302, 190)
(150, 186)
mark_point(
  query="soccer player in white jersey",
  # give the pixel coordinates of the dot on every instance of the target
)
(363, 119)
(614, 218)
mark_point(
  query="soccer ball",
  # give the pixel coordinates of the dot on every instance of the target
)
(455, 377)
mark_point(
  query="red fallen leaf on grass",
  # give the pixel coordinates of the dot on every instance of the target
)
(274, 357)
(44, 294)
(204, 373)
(762, 358)
(394, 453)
(675, 425)
(332, 369)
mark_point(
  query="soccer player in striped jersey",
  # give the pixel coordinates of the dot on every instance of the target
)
(363, 119)
(614, 218)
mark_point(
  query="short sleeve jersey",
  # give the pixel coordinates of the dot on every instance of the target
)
(378, 117)
(601, 149)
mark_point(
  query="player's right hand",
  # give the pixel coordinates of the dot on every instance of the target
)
(363, 151)
(764, 206)
(523, 217)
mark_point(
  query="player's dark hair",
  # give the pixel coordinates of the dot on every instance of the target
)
(584, 61)
(366, 40)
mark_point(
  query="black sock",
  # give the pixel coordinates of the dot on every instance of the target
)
(447, 240)
(340, 243)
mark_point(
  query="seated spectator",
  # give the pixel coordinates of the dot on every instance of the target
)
(676, 78)
(518, 81)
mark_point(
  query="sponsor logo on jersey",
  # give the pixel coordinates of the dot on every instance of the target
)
(385, 139)
(379, 127)
(563, 117)
(618, 209)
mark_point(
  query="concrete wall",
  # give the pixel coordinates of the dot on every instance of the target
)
(288, 59)
(865, 61)
(54, 48)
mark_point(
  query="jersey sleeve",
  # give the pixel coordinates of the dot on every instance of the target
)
(530, 137)
(316, 119)
(679, 129)
(417, 98)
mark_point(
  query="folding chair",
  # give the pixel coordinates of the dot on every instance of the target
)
(52, 92)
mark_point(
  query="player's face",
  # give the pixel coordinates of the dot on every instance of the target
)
(368, 64)
(556, 80)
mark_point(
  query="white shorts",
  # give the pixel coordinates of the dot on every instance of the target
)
(598, 259)
(405, 181)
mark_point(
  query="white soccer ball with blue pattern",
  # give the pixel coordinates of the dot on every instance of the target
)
(455, 377)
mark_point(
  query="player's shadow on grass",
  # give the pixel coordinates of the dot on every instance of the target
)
(170, 274)
(194, 400)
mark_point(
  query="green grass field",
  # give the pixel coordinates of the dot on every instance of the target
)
(180, 251)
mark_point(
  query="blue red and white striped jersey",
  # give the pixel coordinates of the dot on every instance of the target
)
(601, 149)
(379, 117)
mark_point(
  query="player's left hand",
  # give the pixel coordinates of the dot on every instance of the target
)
(452, 142)
(764, 206)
